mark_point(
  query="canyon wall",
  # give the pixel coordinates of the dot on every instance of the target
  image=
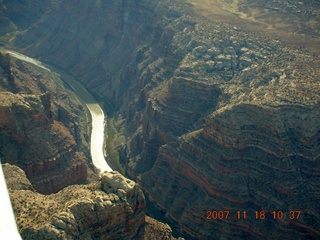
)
(237, 164)
(210, 117)
(39, 128)
(105, 35)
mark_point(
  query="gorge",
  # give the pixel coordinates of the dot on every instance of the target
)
(97, 114)
(214, 104)
(114, 198)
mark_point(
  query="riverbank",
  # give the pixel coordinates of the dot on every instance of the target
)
(96, 112)
(111, 154)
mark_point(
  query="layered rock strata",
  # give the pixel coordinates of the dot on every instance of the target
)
(43, 147)
(38, 132)
(210, 117)
(111, 208)
(261, 165)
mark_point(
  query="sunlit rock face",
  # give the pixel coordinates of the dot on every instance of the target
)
(111, 208)
(209, 116)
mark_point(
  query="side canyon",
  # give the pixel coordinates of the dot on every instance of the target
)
(208, 114)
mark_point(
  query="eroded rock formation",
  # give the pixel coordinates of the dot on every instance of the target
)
(111, 208)
(51, 152)
(240, 163)
(209, 116)
(40, 145)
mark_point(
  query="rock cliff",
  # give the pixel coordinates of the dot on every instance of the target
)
(240, 163)
(111, 208)
(210, 115)
(35, 133)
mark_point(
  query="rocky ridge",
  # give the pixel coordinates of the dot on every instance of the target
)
(245, 170)
(111, 208)
(252, 150)
(39, 133)
(203, 108)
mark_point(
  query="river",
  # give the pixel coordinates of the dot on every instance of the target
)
(8, 227)
(97, 114)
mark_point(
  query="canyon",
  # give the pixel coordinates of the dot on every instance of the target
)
(33, 210)
(211, 111)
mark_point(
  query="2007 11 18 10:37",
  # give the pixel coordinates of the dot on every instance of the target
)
(262, 214)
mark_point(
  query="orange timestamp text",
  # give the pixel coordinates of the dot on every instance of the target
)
(261, 215)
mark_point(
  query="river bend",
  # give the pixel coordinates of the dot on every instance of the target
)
(97, 114)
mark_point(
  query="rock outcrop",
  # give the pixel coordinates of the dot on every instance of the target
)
(254, 148)
(31, 134)
(38, 144)
(210, 117)
(111, 208)
(238, 163)
(16, 178)
(157, 230)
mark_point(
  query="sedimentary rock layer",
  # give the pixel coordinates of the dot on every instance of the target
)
(210, 117)
(111, 208)
(38, 132)
(239, 163)
(39, 144)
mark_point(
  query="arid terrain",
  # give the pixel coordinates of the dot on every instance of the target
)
(296, 23)
(213, 108)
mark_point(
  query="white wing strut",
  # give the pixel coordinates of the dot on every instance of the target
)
(8, 226)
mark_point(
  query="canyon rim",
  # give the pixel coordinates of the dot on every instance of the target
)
(213, 108)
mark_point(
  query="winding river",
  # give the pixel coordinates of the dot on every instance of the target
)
(8, 227)
(97, 114)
